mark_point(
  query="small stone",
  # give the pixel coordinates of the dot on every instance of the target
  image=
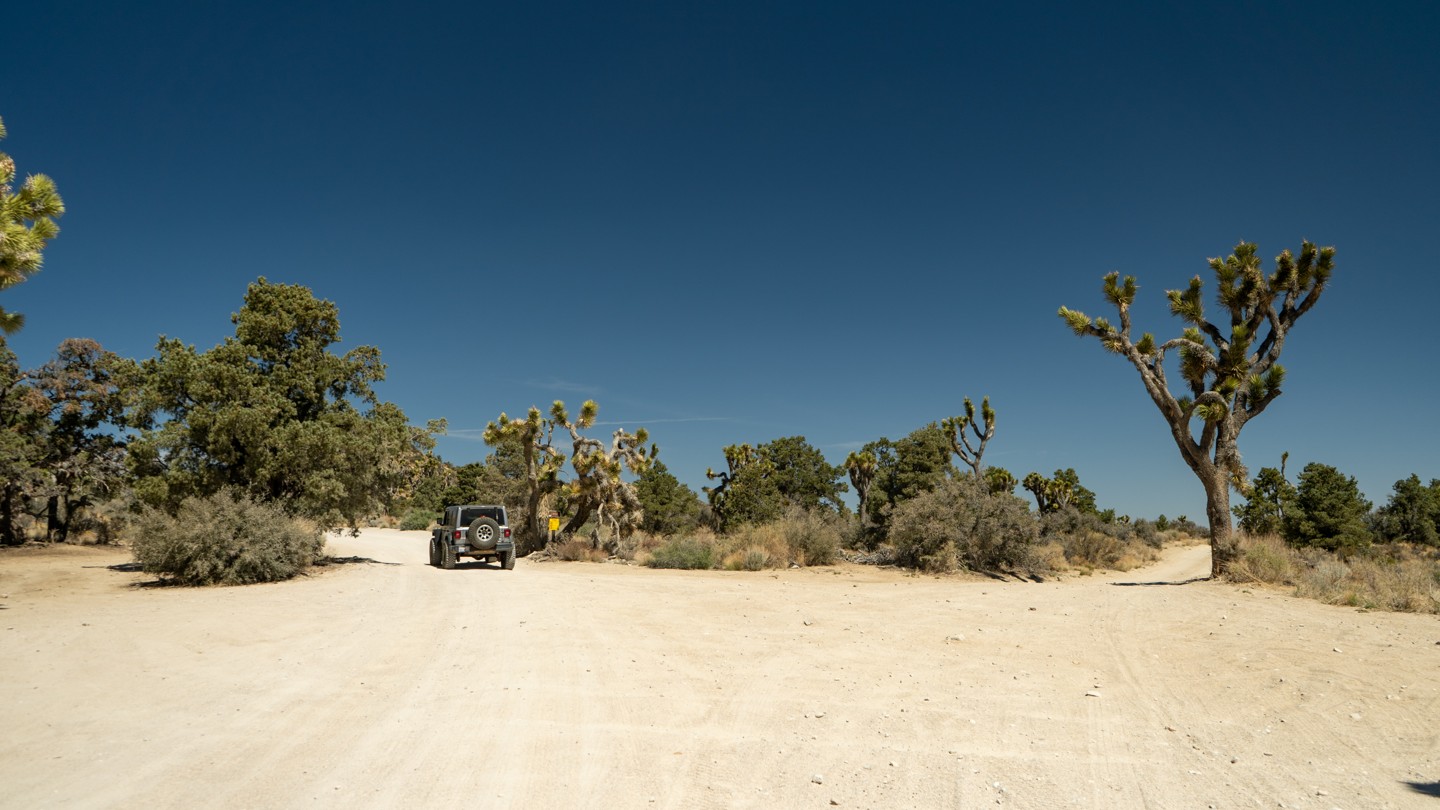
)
(1092, 694)
(818, 779)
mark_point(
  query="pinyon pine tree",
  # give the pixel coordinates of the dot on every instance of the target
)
(1229, 371)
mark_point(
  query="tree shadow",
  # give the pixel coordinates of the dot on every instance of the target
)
(1431, 789)
(323, 561)
(1151, 584)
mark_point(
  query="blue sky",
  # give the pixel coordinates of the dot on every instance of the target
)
(741, 221)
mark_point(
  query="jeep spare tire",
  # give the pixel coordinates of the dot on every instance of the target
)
(483, 534)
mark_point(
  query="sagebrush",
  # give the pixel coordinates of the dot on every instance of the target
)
(223, 540)
(961, 524)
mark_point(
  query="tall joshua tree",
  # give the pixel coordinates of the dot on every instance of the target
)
(27, 222)
(1231, 370)
(598, 488)
(955, 426)
(535, 436)
(862, 466)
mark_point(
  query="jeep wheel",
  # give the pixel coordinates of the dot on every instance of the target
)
(507, 559)
(483, 533)
(434, 552)
(447, 556)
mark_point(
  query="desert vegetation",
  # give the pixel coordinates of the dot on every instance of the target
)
(226, 465)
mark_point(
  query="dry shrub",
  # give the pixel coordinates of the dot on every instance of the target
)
(798, 536)
(223, 540)
(960, 524)
(1091, 543)
(577, 550)
(685, 553)
(1091, 549)
(1050, 556)
(1264, 558)
(1395, 577)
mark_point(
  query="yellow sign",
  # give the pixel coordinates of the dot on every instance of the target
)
(554, 524)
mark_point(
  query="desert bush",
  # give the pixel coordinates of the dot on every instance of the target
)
(751, 558)
(1091, 549)
(576, 549)
(1265, 558)
(683, 552)
(814, 536)
(1396, 577)
(638, 546)
(960, 524)
(417, 519)
(223, 540)
(1091, 542)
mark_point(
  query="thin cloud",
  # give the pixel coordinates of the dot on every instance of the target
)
(669, 421)
(563, 386)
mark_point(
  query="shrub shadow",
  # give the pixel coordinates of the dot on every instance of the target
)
(1425, 788)
(1151, 584)
(324, 561)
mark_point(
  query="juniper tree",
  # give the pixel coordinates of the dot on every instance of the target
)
(1266, 500)
(27, 223)
(802, 475)
(87, 390)
(1229, 370)
(955, 426)
(670, 506)
(1328, 510)
(270, 412)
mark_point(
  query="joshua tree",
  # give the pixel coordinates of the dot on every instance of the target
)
(862, 466)
(27, 222)
(1050, 493)
(1231, 370)
(954, 428)
(598, 488)
(534, 435)
(746, 492)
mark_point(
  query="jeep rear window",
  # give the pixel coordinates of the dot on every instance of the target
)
(468, 515)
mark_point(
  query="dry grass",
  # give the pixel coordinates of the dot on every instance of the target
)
(798, 537)
(578, 550)
(1396, 577)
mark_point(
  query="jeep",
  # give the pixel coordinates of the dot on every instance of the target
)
(478, 531)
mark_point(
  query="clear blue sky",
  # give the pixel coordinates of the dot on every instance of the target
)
(740, 221)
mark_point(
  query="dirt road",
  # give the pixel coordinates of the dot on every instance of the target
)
(591, 685)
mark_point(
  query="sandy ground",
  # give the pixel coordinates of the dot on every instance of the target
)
(601, 685)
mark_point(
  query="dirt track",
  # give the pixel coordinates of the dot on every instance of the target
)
(587, 685)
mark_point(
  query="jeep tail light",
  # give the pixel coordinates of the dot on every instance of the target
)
(459, 533)
(507, 532)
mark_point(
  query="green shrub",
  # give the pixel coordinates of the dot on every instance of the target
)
(960, 524)
(683, 552)
(417, 519)
(221, 540)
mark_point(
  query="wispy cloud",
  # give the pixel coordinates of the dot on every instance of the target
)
(669, 421)
(563, 386)
(468, 434)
